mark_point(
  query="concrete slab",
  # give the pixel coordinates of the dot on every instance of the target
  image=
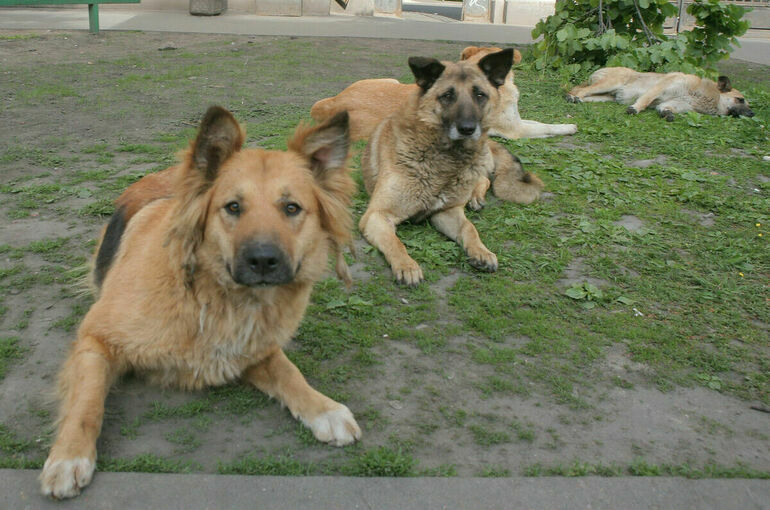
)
(134, 491)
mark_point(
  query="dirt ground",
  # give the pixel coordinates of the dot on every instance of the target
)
(117, 105)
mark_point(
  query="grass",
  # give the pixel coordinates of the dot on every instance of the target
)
(10, 351)
(466, 362)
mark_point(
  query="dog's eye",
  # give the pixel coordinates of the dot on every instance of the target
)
(447, 96)
(741, 100)
(233, 208)
(291, 209)
(480, 95)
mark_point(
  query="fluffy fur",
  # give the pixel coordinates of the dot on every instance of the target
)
(209, 278)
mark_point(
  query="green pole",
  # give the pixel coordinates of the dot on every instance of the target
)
(93, 18)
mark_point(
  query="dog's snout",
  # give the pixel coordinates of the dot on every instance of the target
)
(262, 263)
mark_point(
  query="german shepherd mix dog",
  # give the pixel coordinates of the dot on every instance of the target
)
(202, 275)
(669, 93)
(369, 102)
(433, 157)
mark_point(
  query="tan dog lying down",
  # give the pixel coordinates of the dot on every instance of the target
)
(369, 102)
(202, 276)
(669, 93)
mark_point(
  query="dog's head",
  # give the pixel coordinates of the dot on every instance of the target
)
(252, 217)
(732, 102)
(458, 96)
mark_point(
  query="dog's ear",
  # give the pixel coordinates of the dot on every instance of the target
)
(497, 65)
(723, 84)
(326, 147)
(426, 71)
(219, 137)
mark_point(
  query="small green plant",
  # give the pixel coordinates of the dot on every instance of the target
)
(587, 293)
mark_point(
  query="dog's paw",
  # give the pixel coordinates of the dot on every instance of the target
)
(64, 478)
(569, 129)
(572, 99)
(408, 273)
(476, 203)
(336, 427)
(631, 110)
(668, 115)
(483, 260)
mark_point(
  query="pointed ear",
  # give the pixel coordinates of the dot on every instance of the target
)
(326, 146)
(496, 66)
(723, 84)
(219, 137)
(426, 71)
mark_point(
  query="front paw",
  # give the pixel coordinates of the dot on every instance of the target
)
(64, 478)
(407, 272)
(631, 110)
(337, 427)
(476, 203)
(483, 260)
(572, 98)
(668, 115)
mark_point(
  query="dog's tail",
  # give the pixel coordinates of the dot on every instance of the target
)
(511, 182)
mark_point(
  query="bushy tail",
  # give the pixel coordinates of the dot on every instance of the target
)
(511, 182)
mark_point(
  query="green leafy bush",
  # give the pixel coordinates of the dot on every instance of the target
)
(583, 35)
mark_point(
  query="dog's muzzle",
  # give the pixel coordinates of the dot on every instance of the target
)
(261, 263)
(465, 130)
(737, 112)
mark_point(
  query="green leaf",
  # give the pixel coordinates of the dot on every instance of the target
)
(576, 292)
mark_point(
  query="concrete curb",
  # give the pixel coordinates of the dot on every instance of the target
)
(130, 491)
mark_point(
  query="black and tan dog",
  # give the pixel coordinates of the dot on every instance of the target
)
(669, 93)
(203, 275)
(432, 157)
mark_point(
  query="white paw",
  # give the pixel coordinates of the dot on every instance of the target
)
(570, 129)
(64, 478)
(336, 427)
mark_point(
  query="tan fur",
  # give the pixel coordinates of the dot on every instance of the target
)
(370, 101)
(414, 168)
(170, 307)
(669, 93)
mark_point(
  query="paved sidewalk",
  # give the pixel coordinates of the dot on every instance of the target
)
(755, 47)
(133, 491)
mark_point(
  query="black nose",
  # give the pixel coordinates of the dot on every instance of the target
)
(260, 263)
(263, 258)
(466, 128)
(749, 113)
